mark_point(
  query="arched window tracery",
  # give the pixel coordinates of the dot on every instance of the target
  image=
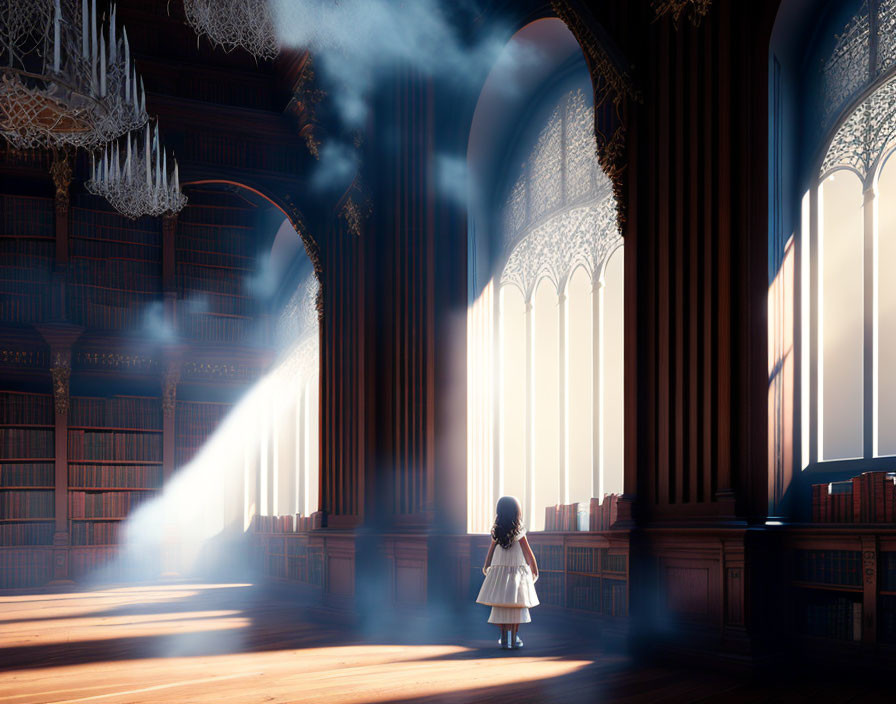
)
(557, 231)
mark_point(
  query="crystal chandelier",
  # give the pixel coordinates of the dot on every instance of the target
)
(65, 80)
(235, 23)
(134, 180)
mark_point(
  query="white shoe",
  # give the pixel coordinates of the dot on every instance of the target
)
(517, 644)
(505, 642)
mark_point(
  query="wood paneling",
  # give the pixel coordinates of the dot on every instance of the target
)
(699, 226)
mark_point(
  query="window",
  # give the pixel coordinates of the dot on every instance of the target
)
(286, 455)
(545, 331)
(848, 249)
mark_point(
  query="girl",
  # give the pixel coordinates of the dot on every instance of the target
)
(510, 574)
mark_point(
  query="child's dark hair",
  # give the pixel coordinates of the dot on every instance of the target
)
(508, 521)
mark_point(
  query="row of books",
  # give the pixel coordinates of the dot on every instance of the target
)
(27, 216)
(193, 278)
(827, 615)
(551, 588)
(601, 515)
(99, 223)
(32, 271)
(228, 239)
(26, 409)
(886, 570)
(95, 533)
(561, 517)
(117, 412)
(27, 504)
(28, 474)
(105, 445)
(219, 214)
(194, 424)
(24, 568)
(583, 592)
(127, 316)
(18, 307)
(26, 442)
(886, 618)
(104, 475)
(550, 557)
(98, 248)
(867, 498)
(842, 567)
(105, 504)
(285, 524)
(118, 274)
(614, 597)
(27, 533)
(22, 253)
(210, 147)
(186, 257)
(308, 570)
(216, 329)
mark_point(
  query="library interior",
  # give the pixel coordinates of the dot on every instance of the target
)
(293, 292)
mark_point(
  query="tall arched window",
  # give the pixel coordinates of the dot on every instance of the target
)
(545, 325)
(847, 251)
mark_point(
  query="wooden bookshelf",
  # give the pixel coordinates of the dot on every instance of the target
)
(114, 463)
(26, 258)
(843, 585)
(582, 571)
(27, 481)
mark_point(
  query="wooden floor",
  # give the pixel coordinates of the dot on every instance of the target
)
(223, 643)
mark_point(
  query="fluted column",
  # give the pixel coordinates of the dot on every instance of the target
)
(597, 398)
(529, 510)
(563, 386)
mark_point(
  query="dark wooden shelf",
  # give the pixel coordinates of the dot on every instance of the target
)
(27, 488)
(855, 589)
(17, 460)
(113, 488)
(27, 520)
(119, 518)
(106, 429)
(116, 462)
(27, 425)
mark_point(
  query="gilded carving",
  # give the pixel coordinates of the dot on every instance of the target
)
(61, 374)
(169, 389)
(312, 249)
(611, 83)
(696, 9)
(24, 358)
(115, 360)
(61, 171)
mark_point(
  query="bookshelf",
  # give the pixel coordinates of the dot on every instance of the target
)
(27, 488)
(115, 268)
(586, 572)
(290, 557)
(216, 258)
(195, 421)
(114, 465)
(27, 247)
(843, 586)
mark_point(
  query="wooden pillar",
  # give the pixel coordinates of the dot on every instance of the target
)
(60, 338)
(597, 378)
(169, 410)
(61, 171)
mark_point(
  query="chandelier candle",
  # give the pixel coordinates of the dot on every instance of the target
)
(154, 193)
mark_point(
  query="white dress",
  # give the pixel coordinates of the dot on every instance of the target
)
(508, 586)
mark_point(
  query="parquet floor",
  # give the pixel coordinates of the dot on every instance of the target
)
(236, 643)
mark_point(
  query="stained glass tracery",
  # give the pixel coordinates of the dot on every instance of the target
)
(560, 213)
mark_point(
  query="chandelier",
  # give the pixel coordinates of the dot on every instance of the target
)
(134, 180)
(64, 79)
(235, 23)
